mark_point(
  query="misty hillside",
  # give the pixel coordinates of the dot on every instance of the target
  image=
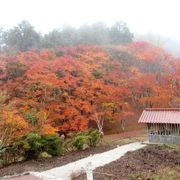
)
(169, 43)
(71, 88)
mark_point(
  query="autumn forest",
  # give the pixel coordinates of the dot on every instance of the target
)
(71, 88)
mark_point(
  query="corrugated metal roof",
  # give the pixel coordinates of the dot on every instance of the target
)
(160, 115)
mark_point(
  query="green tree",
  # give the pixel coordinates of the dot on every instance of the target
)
(119, 33)
(99, 33)
(22, 37)
(53, 39)
(68, 36)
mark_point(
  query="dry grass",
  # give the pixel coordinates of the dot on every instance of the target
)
(174, 147)
(119, 141)
(164, 174)
(168, 174)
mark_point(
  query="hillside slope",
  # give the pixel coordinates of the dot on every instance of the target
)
(71, 89)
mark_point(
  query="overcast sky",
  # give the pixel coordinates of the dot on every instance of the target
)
(142, 16)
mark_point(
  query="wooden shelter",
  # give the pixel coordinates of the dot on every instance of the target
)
(163, 124)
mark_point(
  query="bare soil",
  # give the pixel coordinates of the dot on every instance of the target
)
(141, 164)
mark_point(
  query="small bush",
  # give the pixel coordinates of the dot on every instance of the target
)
(95, 137)
(30, 145)
(81, 142)
(68, 145)
(31, 117)
(98, 74)
(52, 144)
(59, 53)
(2, 150)
(90, 138)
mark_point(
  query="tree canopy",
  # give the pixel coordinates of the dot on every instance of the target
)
(23, 37)
(69, 88)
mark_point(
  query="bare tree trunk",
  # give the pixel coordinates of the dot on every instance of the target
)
(123, 124)
(100, 124)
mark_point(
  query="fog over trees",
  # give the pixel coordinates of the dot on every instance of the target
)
(171, 44)
(23, 37)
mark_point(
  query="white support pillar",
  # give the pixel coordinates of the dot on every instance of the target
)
(89, 171)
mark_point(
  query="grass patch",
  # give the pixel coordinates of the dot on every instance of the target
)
(173, 147)
(122, 141)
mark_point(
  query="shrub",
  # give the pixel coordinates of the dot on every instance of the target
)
(94, 136)
(52, 144)
(34, 145)
(2, 150)
(68, 145)
(81, 142)
(30, 146)
(1, 147)
(31, 117)
(98, 74)
(59, 53)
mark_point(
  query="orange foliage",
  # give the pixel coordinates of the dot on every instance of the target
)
(86, 84)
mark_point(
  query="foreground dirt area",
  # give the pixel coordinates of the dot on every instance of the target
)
(109, 142)
(44, 164)
(155, 162)
(152, 162)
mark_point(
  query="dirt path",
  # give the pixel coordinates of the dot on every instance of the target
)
(97, 160)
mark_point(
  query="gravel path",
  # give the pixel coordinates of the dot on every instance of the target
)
(97, 160)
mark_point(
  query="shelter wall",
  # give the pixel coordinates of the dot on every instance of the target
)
(164, 139)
